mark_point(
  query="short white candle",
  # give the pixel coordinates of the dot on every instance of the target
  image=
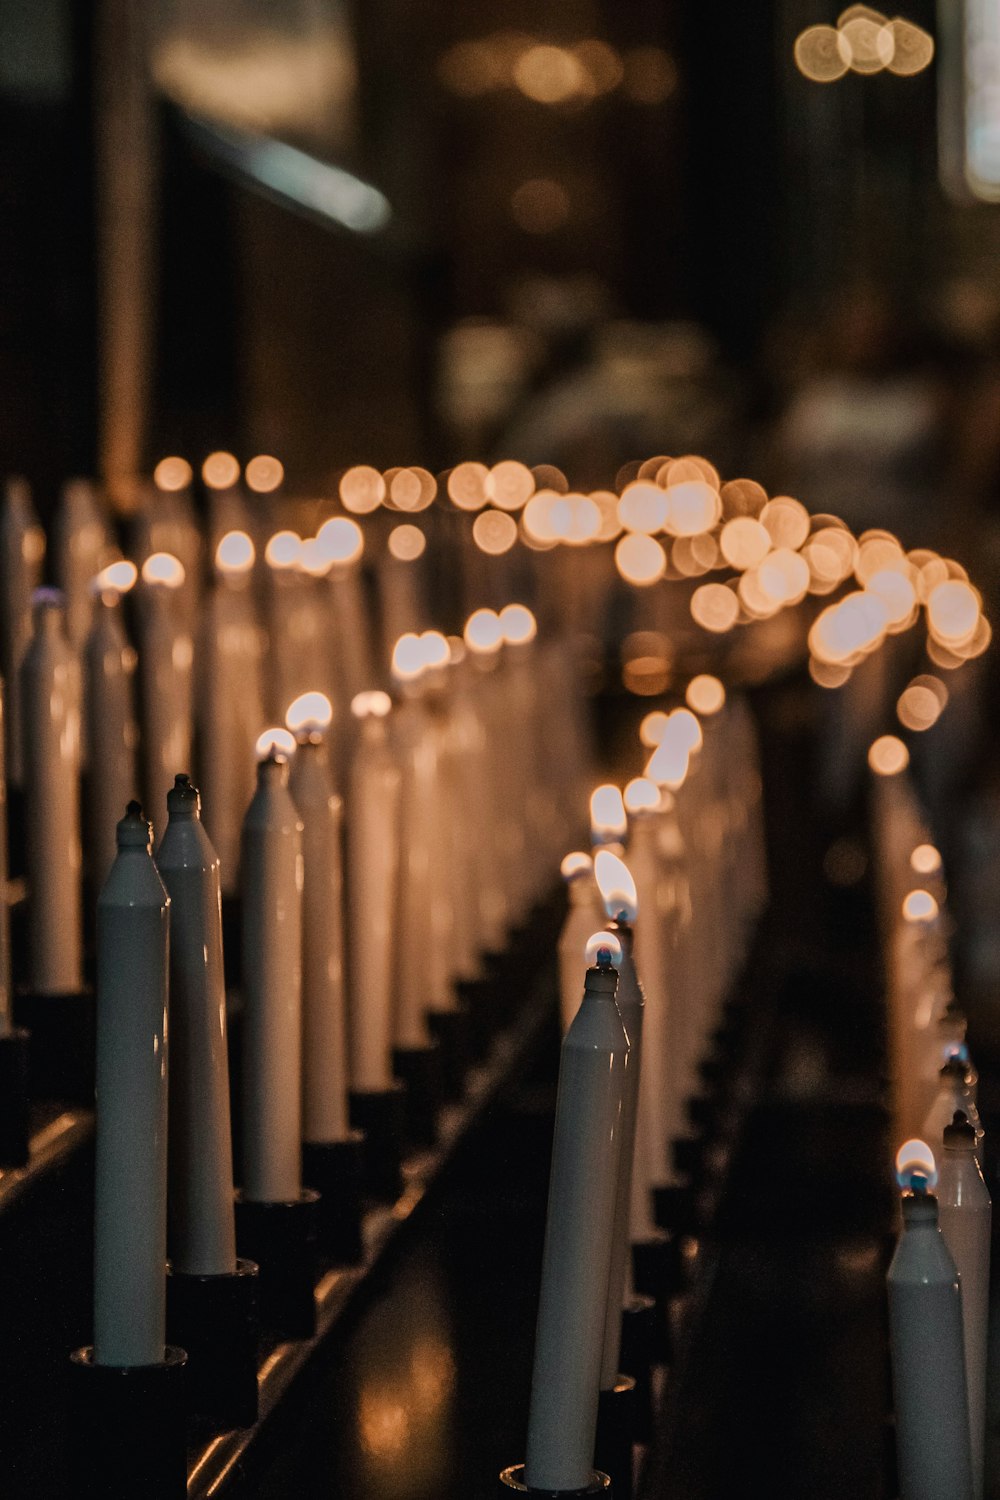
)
(50, 684)
(324, 1020)
(202, 1238)
(925, 1331)
(22, 553)
(130, 1207)
(965, 1213)
(372, 877)
(579, 1231)
(272, 869)
(166, 657)
(110, 729)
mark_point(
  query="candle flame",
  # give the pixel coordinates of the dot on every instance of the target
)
(309, 711)
(220, 471)
(575, 865)
(408, 658)
(435, 649)
(915, 1159)
(685, 730)
(340, 540)
(887, 755)
(919, 906)
(705, 694)
(925, 860)
(283, 550)
(603, 948)
(641, 796)
(172, 474)
(652, 727)
(235, 553)
(372, 704)
(608, 823)
(517, 624)
(275, 741)
(116, 578)
(483, 632)
(163, 567)
(264, 473)
(616, 885)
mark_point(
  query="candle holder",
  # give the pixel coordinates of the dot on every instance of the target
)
(510, 1479)
(14, 1056)
(63, 1049)
(336, 1170)
(637, 1358)
(421, 1070)
(282, 1239)
(380, 1115)
(217, 1320)
(452, 1031)
(127, 1428)
(616, 1435)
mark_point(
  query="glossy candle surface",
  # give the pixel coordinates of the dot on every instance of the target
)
(111, 732)
(631, 1007)
(583, 912)
(417, 787)
(272, 989)
(165, 664)
(579, 1225)
(50, 683)
(965, 1214)
(130, 1207)
(201, 1236)
(324, 1023)
(928, 1365)
(372, 865)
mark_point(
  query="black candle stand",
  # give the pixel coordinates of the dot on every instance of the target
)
(336, 1170)
(63, 1048)
(126, 1428)
(14, 1064)
(381, 1116)
(513, 1479)
(615, 1436)
(452, 1030)
(217, 1320)
(282, 1239)
(637, 1357)
(420, 1070)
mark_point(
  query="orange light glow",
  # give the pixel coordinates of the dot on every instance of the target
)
(406, 543)
(608, 823)
(540, 205)
(668, 764)
(483, 632)
(549, 75)
(818, 56)
(640, 559)
(283, 550)
(684, 727)
(915, 1158)
(919, 906)
(953, 612)
(653, 726)
(494, 532)
(510, 484)
(517, 624)
(784, 576)
(263, 474)
(603, 947)
(616, 885)
(163, 568)
(714, 607)
(744, 542)
(235, 553)
(275, 741)
(786, 522)
(887, 755)
(116, 578)
(575, 865)
(309, 711)
(408, 657)
(692, 506)
(912, 49)
(705, 694)
(642, 507)
(362, 490)
(220, 471)
(742, 497)
(925, 860)
(467, 486)
(435, 649)
(921, 703)
(340, 540)
(372, 704)
(172, 474)
(641, 796)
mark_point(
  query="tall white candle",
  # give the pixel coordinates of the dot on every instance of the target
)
(130, 1206)
(324, 1021)
(372, 877)
(166, 656)
(50, 685)
(579, 1228)
(482, 640)
(202, 1237)
(439, 814)
(925, 1331)
(965, 1214)
(341, 541)
(22, 553)
(272, 984)
(416, 758)
(81, 546)
(584, 907)
(111, 732)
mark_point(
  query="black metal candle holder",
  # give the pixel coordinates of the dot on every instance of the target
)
(127, 1428)
(616, 1435)
(336, 1170)
(217, 1320)
(381, 1115)
(282, 1238)
(420, 1069)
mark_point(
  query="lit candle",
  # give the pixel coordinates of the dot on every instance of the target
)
(577, 871)
(372, 870)
(50, 686)
(579, 1229)
(111, 732)
(324, 1023)
(22, 553)
(965, 1214)
(925, 1331)
(130, 1206)
(272, 981)
(483, 639)
(341, 541)
(202, 1237)
(417, 789)
(295, 622)
(166, 655)
(438, 811)
(81, 546)
(608, 823)
(953, 1094)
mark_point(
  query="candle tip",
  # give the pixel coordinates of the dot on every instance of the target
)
(916, 1168)
(183, 797)
(134, 831)
(604, 951)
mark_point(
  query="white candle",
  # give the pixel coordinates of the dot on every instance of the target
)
(81, 545)
(202, 1237)
(324, 1022)
(925, 1331)
(579, 1228)
(295, 622)
(50, 685)
(341, 541)
(166, 657)
(439, 813)
(965, 1213)
(271, 863)
(584, 907)
(22, 553)
(482, 640)
(111, 732)
(372, 877)
(953, 1094)
(130, 1206)
(416, 759)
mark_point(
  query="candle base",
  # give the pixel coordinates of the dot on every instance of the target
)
(127, 1428)
(616, 1435)
(599, 1487)
(281, 1239)
(658, 1272)
(451, 1030)
(421, 1070)
(217, 1320)
(380, 1115)
(14, 1061)
(61, 1058)
(674, 1207)
(336, 1170)
(637, 1359)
